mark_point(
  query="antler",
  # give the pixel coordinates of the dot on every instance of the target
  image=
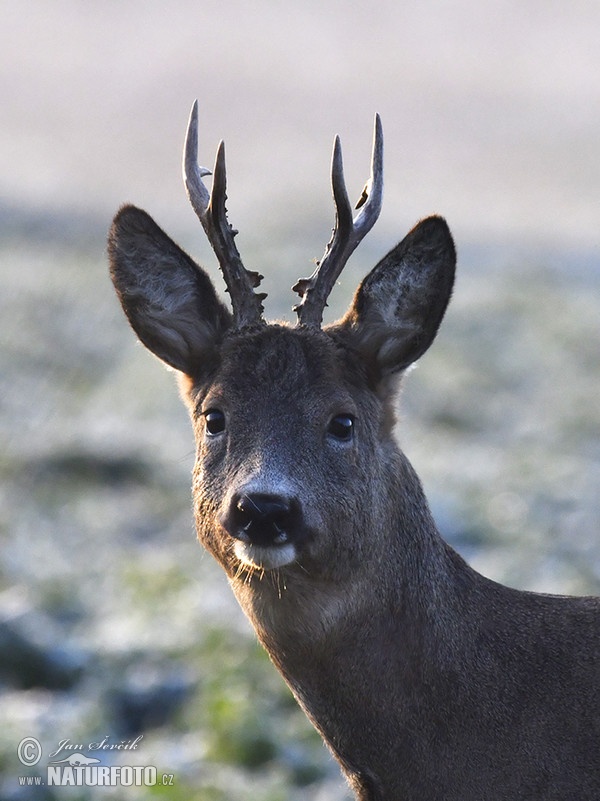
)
(347, 234)
(211, 211)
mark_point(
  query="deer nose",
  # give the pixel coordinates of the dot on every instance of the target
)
(262, 519)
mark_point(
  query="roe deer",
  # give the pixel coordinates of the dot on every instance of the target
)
(426, 680)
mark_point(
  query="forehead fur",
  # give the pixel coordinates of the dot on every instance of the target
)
(289, 358)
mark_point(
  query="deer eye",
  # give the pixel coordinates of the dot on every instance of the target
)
(341, 427)
(215, 421)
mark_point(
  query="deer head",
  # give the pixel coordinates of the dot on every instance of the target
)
(290, 421)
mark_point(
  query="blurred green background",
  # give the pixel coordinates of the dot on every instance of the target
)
(113, 623)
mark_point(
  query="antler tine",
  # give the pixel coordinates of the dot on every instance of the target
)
(211, 211)
(347, 234)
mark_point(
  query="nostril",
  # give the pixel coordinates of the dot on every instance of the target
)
(263, 508)
(262, 519)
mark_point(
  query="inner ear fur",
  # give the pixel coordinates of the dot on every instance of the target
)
(168, 299)
(399, 306)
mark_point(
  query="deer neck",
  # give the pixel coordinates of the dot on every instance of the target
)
(363, 654)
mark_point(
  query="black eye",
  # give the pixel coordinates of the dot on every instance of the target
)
(215, 421)
(341, 427)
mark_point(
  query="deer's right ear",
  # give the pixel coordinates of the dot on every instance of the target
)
(398, 308)
(168, 299)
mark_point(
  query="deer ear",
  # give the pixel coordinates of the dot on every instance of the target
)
(168, 299)
(399, 306)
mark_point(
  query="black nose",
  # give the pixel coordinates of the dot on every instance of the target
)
(262, 519)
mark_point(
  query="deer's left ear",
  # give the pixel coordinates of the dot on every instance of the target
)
(399, 306)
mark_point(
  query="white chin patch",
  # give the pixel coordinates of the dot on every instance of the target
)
(264, 558)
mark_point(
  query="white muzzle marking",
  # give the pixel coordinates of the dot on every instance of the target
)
(265, 558)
